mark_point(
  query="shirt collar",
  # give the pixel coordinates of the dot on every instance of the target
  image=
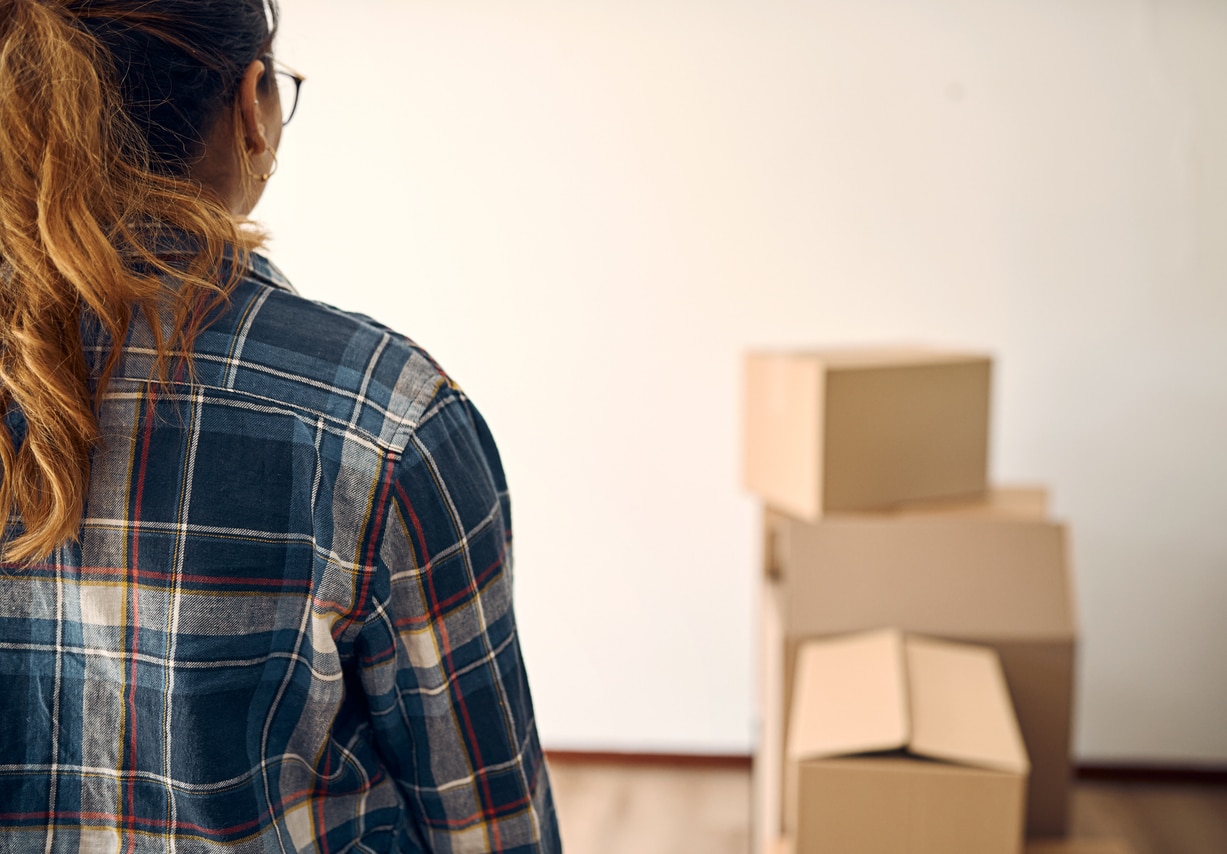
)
(261, 269)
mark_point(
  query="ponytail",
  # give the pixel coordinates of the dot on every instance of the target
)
(81, 201)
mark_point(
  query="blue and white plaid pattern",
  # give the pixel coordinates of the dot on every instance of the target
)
(287, 625)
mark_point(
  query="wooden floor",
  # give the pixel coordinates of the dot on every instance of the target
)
(618, 808)
(1154, 818)
(614, 808)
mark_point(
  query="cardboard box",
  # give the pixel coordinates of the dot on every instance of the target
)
(999, 502)
(767, 772)
(1006, 502)
(997, 580)
(845, 430)
(902, 744)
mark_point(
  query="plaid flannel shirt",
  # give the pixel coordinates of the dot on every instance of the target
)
(287, 624)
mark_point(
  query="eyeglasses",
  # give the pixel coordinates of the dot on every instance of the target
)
(283, 76)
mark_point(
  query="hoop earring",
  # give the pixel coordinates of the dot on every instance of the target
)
(263, 177)
(245, 155)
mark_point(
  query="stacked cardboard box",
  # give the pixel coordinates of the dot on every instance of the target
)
(873, 467)
(902, 744)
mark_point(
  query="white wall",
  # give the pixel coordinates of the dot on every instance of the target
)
(588, 210)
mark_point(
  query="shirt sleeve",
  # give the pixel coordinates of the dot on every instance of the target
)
(440, 659)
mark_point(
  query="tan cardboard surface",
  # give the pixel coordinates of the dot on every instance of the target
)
(878, 690)
(854, 699)
(1040, 676)
(938, 575)
(892, 804)
(1041, 680)
(960, 706)
(1000, 502)
(1014, 595)
(830, 431)
(783, 431)
(767, 776)
(1029, 502)
(901, 433)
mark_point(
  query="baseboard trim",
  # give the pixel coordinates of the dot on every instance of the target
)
(1210, 775)
(722, 761)
(1200, 775)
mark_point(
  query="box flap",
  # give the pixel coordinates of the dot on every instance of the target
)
(851, 697)
(960, 706)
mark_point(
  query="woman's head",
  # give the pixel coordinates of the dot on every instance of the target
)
(178, 64)
(120, 121)
(194, 78)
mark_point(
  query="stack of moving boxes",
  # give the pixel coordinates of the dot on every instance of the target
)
(873, 468)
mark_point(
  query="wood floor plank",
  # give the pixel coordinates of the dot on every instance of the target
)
(621, 808)
(1155, 818)
(616, 809)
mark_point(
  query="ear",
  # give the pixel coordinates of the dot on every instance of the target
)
(250, 110)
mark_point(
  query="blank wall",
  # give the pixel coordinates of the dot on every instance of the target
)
(588, 210)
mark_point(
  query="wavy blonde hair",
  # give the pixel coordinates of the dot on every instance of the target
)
(83, 198)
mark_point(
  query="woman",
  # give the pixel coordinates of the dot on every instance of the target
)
(256, 586)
